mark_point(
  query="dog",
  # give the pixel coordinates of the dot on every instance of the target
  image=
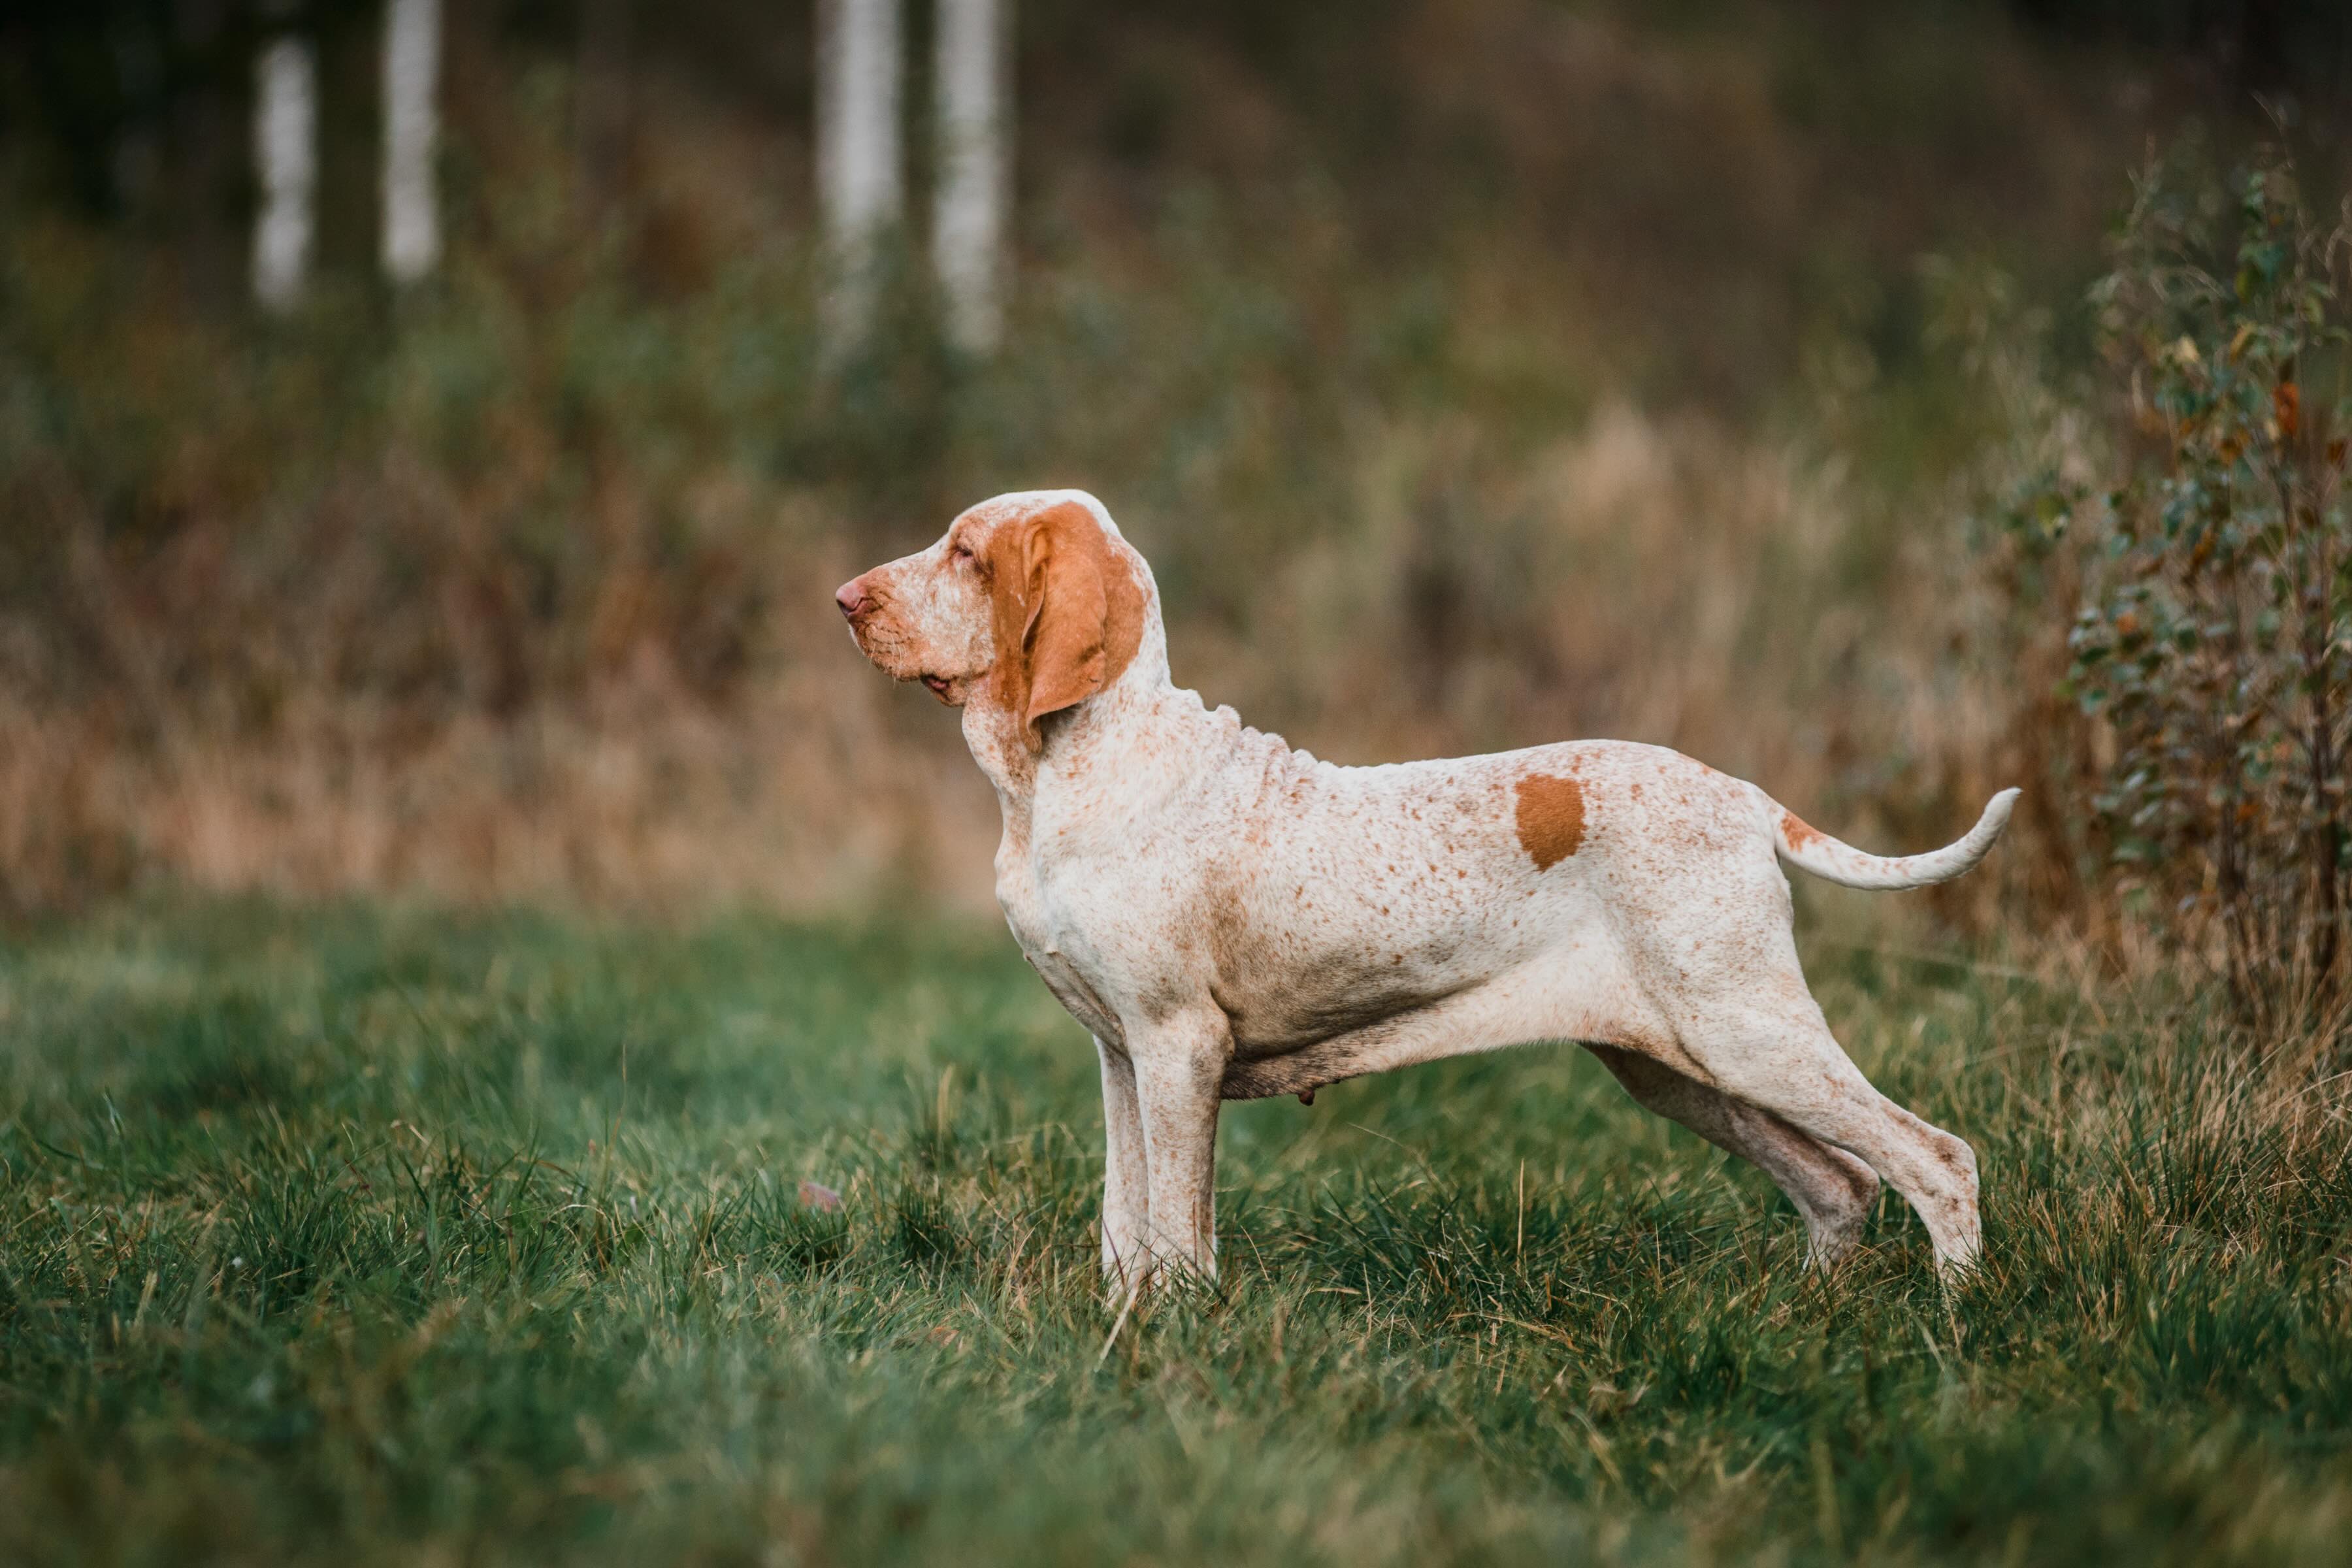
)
(1231, 919)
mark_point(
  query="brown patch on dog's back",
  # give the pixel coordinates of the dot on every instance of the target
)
(1551, 818)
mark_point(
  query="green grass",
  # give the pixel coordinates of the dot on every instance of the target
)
(352, 1235)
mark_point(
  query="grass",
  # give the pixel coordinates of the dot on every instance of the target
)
(368, 1235)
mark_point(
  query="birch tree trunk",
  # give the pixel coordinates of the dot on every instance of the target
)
(285, 148)
(858, 183)
(412, 73)
(974, 116)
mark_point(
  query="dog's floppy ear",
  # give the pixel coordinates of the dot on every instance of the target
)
(1084, 614)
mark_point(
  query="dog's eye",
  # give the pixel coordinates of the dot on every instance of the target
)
(961, 553)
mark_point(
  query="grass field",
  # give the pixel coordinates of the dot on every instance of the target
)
(356, 1235)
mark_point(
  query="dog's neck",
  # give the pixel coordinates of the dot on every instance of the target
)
(1137, 731)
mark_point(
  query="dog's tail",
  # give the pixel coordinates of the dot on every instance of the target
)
(1810, 849)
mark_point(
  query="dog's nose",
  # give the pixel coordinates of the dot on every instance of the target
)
(852, 599)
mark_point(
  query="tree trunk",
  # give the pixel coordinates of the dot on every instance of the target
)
(285, 148)
(858, 183)
(412, 72)
(974, 118)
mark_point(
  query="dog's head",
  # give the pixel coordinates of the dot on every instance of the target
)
(1030, 603)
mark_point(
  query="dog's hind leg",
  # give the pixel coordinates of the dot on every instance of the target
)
(1788, 1063)
(1830, 1188)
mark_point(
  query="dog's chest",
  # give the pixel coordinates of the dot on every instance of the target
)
(1053, 938)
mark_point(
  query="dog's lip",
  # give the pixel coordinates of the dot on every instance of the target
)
(936, 683)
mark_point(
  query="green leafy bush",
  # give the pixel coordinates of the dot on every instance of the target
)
(2210, 646)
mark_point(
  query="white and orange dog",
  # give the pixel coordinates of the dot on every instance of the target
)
(1234, 918)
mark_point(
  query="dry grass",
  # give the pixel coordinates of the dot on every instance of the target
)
(1638, 581)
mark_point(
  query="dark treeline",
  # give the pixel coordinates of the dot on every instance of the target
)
(136, 107)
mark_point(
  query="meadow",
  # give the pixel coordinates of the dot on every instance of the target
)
(373, 1233)
(465, 905)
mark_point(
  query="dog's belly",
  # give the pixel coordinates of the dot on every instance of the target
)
(1554, 996)
(1303, 1013)
(1274, 1009)
(1310, 1048)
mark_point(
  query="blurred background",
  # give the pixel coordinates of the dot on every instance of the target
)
(430, 434)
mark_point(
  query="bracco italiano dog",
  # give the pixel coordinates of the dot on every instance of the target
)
(1232, 919)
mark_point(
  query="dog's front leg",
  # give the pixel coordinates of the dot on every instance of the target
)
(1125, 1208)
(1179, 1064)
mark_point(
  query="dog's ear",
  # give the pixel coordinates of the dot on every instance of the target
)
(1081, 615)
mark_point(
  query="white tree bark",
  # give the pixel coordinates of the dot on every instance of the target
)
(858, 183)
(286, 146)
(412, 73)
(974, 108)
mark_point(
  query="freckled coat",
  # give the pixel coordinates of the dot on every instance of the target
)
(1231, 917)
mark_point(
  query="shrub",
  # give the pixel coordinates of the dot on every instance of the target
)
(2210, 646)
